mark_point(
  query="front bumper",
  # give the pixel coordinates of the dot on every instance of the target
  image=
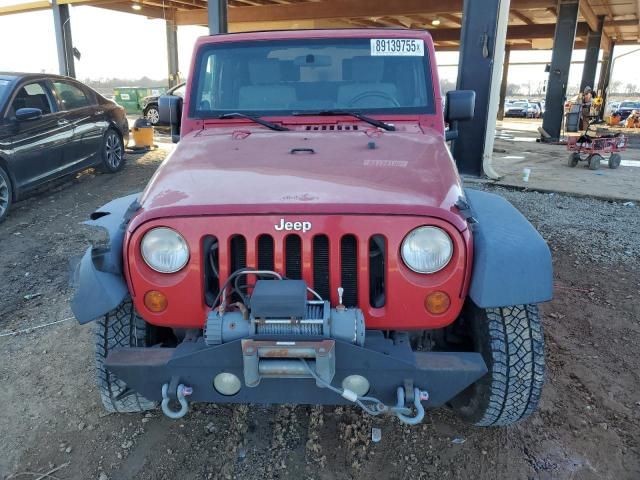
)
(387, 365)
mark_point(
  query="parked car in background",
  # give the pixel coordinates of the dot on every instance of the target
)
(534, 110)
(518, 109)
(52, 126)
(625, 109)
(150, 103)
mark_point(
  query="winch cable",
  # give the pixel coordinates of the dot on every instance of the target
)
(378, 408)
(245, 271)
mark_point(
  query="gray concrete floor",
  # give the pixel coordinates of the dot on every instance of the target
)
(516, 148)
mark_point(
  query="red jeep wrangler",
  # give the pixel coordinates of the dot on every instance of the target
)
(309, 241)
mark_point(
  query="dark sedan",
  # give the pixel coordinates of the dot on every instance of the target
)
(150, 103)
(52, 126)
(625, 109)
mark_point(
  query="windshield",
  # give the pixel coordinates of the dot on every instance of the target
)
(296, 76)
(520, 104)
(630, 105)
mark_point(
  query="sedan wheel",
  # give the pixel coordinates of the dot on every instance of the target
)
(5, 194)
(153, 115)
(113, 152)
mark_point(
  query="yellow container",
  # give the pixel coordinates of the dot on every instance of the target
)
(143, 136)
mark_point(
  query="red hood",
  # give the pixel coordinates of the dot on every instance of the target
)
(245, 170)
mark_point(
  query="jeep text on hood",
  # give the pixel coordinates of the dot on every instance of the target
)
(309, 241)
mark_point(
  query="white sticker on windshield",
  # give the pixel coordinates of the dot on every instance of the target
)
(411, 47)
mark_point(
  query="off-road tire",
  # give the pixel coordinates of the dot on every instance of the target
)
(511, 342)
(111, 142)
(594, 161)
(6, 194)
(614, 160)
(574, 158)
(120, 328)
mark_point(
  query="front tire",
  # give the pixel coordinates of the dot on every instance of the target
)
(511, 342)
(614, 160)
(574, 158)
(152, 114)
(112, 152)
(120, 328)
(6, 194)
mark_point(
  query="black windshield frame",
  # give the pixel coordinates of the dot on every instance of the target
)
(198, 78)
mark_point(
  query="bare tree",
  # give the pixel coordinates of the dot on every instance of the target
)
(630, 88)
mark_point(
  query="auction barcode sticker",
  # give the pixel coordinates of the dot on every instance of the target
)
(412, 47)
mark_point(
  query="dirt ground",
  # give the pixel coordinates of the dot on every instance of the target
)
(587, 427)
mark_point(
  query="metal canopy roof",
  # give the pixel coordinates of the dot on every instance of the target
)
(531, 22)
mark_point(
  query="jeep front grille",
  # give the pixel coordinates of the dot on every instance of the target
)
(330, 263)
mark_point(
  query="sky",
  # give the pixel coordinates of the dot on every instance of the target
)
(128, 46)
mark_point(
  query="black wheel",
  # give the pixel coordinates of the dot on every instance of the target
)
(574, 158)
(152, 114)
(112, 151)
(6, 194)
(511, 342)
(120, 328)
(614, 161)
(594, 161)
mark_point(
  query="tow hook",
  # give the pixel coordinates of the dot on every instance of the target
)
(418, 397)
(181, 392)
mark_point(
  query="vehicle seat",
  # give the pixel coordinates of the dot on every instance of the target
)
(366, 74)
(265, 91)
(24, 100)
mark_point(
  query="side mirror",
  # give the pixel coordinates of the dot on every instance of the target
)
(170, 107)
(459, 106)
(24, 114)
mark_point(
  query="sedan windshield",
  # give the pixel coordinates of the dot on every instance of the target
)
(634, 105)
(304, 76)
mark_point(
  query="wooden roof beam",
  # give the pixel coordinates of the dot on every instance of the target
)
(589, 15)
(339, 9)
(522, 17)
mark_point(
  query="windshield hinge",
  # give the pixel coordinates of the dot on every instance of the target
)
(465, 210)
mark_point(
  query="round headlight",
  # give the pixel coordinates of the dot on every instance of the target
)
(427, 250)
(164, 250)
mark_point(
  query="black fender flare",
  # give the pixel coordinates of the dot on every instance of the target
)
(511, 261)
(98, 277)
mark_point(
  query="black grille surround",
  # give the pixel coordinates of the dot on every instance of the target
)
(346, 247)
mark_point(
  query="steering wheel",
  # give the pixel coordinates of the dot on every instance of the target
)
(375, 94)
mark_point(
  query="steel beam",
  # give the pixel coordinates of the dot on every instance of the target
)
(503, 83)
(478, 42)
(605, 75)
(217, 17)
(172, 53)
(64, 42)
(591, 56)
(563, 41)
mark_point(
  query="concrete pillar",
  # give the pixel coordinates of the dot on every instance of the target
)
(172, 52)
(217, 15)
(64, 43)
(482, 43)
(563, 41)
(503, 83)
(591, 57)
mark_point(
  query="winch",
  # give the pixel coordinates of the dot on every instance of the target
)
(281, 308)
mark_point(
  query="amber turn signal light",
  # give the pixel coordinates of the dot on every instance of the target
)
(155, 301)
(437, 302)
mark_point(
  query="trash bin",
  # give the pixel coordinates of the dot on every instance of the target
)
(128, 98)
(572, 119)
(142, 133)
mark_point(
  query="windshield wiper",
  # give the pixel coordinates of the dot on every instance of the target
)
(272, 126)
(358, 115)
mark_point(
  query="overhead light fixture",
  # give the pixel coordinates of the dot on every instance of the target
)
(136, 6)
(435, 22)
